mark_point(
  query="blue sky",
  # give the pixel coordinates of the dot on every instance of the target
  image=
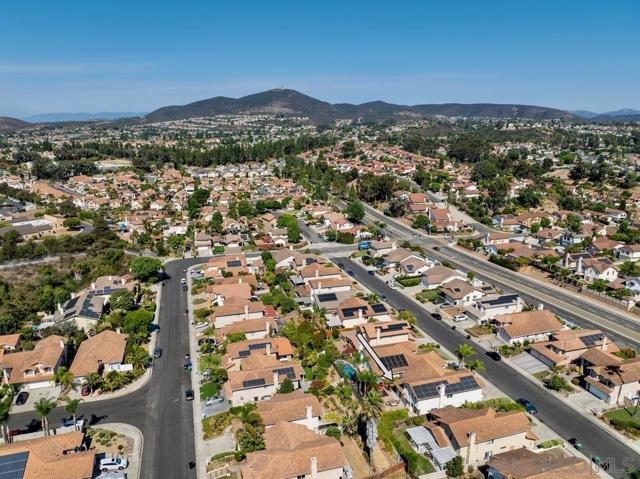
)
(137, 55)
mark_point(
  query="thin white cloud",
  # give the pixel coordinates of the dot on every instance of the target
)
(72, 68)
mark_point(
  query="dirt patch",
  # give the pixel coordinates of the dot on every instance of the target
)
(110, 443)
(356, 458)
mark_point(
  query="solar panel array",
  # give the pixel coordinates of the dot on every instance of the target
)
(427, 391)
(289, 372)
(349, 312)
(253, 383)
(234, 263)
(257, 346)
(394, 361)
(379, 308)
(244, 354)
(591, 339)
(12, 465)
(394, 327)
(327, 297)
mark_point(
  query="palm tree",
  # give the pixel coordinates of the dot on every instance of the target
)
(43, 407)
(63, 377)
(72, 407)
(464, 350)
(475, 365)
(372, 404)
(616, 369)
(366, 380)
(93, 380)
(5, 408)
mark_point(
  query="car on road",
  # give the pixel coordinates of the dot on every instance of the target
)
(188, 394)
(341, 265)
(437, 248)
(575, 443)
(188, 365)
(22, 398)
(528, 406)
(351, 273)
(185, 287)
(212, 401)
(183, 281)
(79, 423)
(113, 464)
(436, 316)
(460, 317)
(157, 352)
(495, 355)
(371, 272)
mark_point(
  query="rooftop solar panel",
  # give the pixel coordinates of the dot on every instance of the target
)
(257, 346)
(327, 297)
(253, 383)
(394, 327)
(379, 308)
(289, 372)
(12, 466)
(244, 354)
(394, 361)
(591, 339)
(234, 263)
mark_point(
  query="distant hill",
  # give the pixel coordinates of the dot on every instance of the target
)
(625, 114)
(585, 114)
(57, 117)
(293, 102)
(8, 125)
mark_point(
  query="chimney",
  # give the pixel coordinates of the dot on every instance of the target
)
(472, 443)
(314, 468)
(378, 329)
(246, 311)
(441, 392)
(276, 379)
(540, 306)
(579, 266)
(603, 346)
(268, 349)
(309, 416)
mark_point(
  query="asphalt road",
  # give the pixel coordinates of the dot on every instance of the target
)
(158, 409)
(556, 414)
(564, 304)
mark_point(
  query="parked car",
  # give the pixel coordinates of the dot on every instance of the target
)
(341, 265)
(188, 365)
(212, 401)
(436, 316)
(202, 325)
(69, 422)
(494, 355)
(371, 272)
(437, 248)
(460, 317)
(157, 352)
(575, 443)
(351, 273)
(183, 281)
(184, 287)
(22, 398)
(113, 464)
(188, 394)
(528, 405)
(85, 390)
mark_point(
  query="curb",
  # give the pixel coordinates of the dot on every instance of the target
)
(137, 431)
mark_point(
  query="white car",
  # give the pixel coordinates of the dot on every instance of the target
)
(212, 401)
(460, 317)
(113, 464)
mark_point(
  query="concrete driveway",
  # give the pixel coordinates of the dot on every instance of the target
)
(528, 363)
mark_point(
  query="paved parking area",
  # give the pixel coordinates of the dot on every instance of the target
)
(52, 393)
(529, 363)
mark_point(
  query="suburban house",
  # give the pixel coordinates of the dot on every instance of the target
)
(548, 463)
(629, 252)
(100, 354)
(488, 308)
(390, 332)
(34, 369)
(478, 434)
(317, 271)
(438, 275)
(614, 380)
(460, 293)
(259, 379)
(597, 268)
(279, 348)
(237, 309)
(356, 311)
(529, 326)
(252, 329)
(63, 456)
(9, 342)
(84, 311)
(294, 452)
(296, 408)
(566, 347)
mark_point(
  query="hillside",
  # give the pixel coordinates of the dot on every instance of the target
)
(81, 116)
(8, 125)
(295, 103)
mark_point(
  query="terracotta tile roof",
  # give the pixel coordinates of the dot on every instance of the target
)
(47, 459)
(529, 323)
(9, 340)
(288, 407)
(46, 353)
(106, 347)
(289, 452)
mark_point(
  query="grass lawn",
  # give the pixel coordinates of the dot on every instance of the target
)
(209, 361)
(428, 295)
(624, 419)
(480, 330)
(208, 390)
(215, 425)
(416, 463)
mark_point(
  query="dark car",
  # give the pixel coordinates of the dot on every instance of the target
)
(341, 265)
(185, 287)
(494, 355)
(86, 390)
(437, 248)
(157, 352)
(22, 398)
(351, 273)
(528, 405)
(188, 394)
(437, 316)
(371, 272)
(575, 443)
